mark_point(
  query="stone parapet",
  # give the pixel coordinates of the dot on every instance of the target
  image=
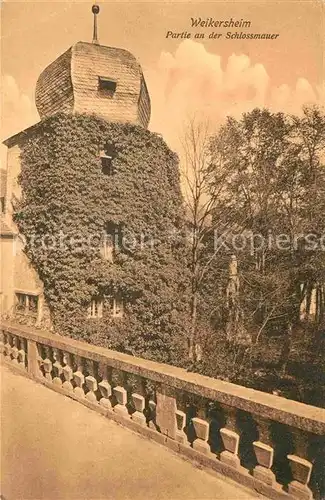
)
(235, 430)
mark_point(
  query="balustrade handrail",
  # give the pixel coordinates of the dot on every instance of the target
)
(292, 413)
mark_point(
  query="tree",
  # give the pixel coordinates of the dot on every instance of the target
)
(310, 136)
(274, 187)
(200, 195)
(274, 199)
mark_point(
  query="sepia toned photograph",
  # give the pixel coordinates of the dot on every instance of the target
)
(162, 288)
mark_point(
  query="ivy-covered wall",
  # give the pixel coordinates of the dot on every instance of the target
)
(67, 201)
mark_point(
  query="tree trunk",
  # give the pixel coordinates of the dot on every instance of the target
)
(285, 353)
(192, 340)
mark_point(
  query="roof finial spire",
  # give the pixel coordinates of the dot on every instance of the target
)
(95, 11)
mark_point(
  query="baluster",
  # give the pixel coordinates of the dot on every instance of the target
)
(230, 438)
(22, 353)
(105, 391)
(139, 402)
(139, 405)
(91, 382)
(122, 398)
(105, 388)
(300, 467)
(180, 413)
(181, 436)
(34, 359)
(149, 388)
(264, 453)
(57, 368)
(152, 423)
(201, 427)
(67, 372)
(7, 346)
(39, 360)
(47, 363)
(14, 350)
(2, 342)
(79, 378)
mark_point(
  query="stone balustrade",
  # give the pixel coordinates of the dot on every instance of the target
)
(268, 443)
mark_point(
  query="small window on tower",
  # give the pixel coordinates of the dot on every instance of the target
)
(107, 165)
(107, 156)
(107, 84)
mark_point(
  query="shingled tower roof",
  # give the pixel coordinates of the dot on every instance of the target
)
(91, 78)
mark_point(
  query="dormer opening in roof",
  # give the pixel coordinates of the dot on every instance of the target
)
(97, 80)
(107, 85)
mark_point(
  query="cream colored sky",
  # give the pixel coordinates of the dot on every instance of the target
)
(212, 77)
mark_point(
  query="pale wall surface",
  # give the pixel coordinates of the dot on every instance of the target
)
(13, 170)
(53, 448)
(17, 273)
(25, 276)
(7, 274)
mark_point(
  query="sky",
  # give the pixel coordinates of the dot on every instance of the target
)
(211, 78)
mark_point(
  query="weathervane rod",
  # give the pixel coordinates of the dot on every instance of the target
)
(95, 11)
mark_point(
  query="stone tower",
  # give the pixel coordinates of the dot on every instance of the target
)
(88, 78)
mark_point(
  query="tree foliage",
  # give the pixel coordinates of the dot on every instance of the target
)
(271, 216)
(274, 207)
